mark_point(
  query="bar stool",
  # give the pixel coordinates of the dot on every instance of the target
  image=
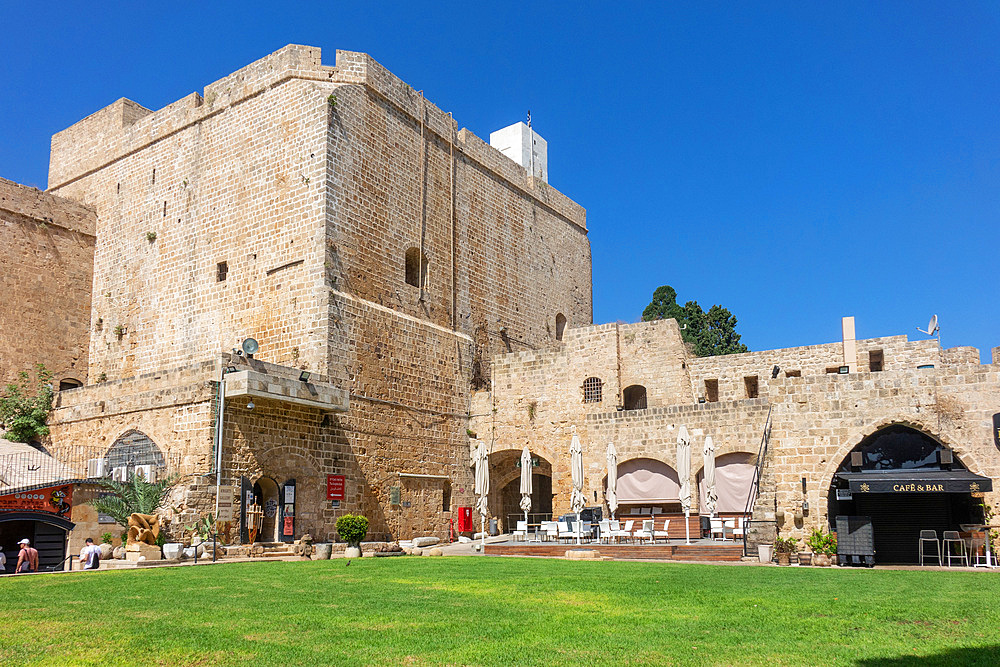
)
(978, 547)
(930, 536)
(952, 537)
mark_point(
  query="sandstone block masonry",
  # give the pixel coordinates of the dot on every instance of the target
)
(816, 413)
(346, 223)
(46, 268)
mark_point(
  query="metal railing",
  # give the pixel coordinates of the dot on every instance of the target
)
(765, 439)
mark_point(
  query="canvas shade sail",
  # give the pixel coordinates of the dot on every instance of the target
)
(684, 467)
(647, 481)
(733, 476)
(611, 494)
(576, 501)
(525, 480)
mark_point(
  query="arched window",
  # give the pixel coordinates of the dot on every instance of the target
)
(134, 448)
(69, 383)
(899, 447)
(560, 325)
(634, 397)
(416, 268)
(592, 390)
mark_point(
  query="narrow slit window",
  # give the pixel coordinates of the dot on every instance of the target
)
(875, 361)
(221, 271)
(560, 325)
(752, 386)
(416, 268)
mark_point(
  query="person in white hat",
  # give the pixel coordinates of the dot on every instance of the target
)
(27, 559)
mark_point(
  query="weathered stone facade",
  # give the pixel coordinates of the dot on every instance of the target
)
(47, 257)
(817, 414)
(288, 203)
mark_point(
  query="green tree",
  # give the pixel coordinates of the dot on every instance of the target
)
(25, 406)
(710, 333)
(131, 497)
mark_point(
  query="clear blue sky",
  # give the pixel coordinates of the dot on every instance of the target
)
(793, 162)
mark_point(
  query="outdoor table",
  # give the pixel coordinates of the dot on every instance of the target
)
(986, 530)
(536, 530)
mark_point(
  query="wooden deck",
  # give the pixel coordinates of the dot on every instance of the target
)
(702, 551)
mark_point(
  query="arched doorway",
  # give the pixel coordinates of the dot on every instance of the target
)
(647, 486)
(505, 471)
(733, 477)
(906, 481)
(265, 494)
(46, 532)
(634, 397)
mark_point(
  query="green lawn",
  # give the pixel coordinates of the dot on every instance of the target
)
(480, 611)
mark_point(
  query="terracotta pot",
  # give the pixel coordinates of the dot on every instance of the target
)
(783, 558)
(805, 559)
(822, 560)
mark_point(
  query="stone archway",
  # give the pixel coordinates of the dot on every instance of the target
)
(733, 478)
(505, 487)
(904, 480)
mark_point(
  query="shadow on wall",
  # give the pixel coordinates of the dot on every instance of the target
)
(983, 655)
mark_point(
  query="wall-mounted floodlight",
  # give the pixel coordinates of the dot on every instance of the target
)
(250, 346)
(304, 376)
(230, 369)
(844, 370)
(774, 372)
(250, 405)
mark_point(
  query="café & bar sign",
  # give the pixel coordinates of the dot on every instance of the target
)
(906, 481)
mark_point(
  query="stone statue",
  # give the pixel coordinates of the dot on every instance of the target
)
(143, 528)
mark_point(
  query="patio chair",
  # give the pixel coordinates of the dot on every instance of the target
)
(577, 530)
(521, 531)
(564, 532)
(718, 528)
(550, 530)
(977, 549)
(953, 539)
(663, 533)
(626, 531)
(740, 530)
(604, 526)
(645, 531)
(930, 537)
(729, 527)
(614, 529)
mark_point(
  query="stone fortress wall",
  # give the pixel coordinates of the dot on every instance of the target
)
(817, 414)
(45, 282)
(282, 204)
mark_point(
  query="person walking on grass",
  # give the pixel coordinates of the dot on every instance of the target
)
(90, 556)
(27, 559)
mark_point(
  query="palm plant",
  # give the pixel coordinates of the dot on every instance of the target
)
(131, 497)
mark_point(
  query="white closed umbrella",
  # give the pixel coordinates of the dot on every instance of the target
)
(525, 483)
(711, 496)
(684, 472)
(482, 485)
(612, 493)
(576, 499)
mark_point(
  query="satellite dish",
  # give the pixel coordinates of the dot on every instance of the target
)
(932, 326)
(250, 346)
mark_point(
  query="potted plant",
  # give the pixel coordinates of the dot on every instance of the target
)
(352, 528)
(824, 545)
(784, 547)
(805, 558)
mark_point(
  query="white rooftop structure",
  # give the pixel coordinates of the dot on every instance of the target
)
(524, 146)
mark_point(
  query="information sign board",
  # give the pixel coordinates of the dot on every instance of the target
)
(335, 487)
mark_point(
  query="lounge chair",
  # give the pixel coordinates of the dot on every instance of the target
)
(604, 525)
(718, 528)
(550, 530)
(564, 532)
(626, 531)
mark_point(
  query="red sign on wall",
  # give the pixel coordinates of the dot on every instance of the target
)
(289, 527)
(54, 500)
(334, 487)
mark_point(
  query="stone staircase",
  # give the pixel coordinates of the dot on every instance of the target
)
(261, 550)
(763, 528)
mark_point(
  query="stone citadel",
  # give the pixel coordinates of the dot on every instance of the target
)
(413, 290)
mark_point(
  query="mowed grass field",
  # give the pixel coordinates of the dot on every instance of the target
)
(499, 611)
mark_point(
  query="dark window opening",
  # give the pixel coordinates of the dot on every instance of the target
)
(69, 383)
(416, 268)
(900, 447)
(154, 175)
(634, 397)
(833, 370)
(164, 209)
(793, 374)
(592, 390)
(560, 325)
(752, 386)
(712, 391)
(875, 360)
(221, 271)
(446, 497)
